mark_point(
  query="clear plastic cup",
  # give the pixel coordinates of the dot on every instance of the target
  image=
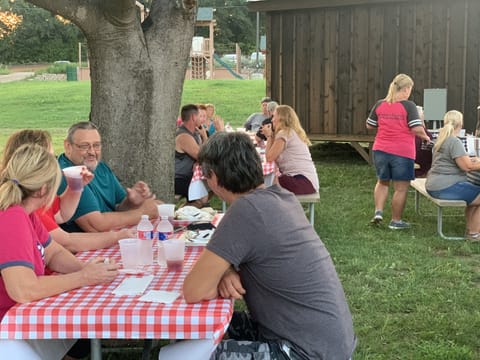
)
(166, 210)
(130, 253)
(74, 177)
(174, 253)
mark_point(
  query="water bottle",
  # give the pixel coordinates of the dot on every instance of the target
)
(164, 231)
(145, 234)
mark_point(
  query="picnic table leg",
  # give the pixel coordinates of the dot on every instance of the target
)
(440, 226)
(96, 349)
(311, 210)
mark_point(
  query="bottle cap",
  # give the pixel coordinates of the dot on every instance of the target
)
(145, 217)
(164, 217)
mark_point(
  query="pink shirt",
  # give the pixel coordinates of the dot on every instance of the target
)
(394, 122)
(23, 241)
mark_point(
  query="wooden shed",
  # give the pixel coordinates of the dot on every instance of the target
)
(332, 59)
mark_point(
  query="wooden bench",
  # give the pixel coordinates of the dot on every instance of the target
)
(419, 186)
(310, 200)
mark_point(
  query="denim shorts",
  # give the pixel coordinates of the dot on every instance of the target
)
(393, 167)
(464, 190)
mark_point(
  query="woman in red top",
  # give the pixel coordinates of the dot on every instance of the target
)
(397, 122)
(29, 181)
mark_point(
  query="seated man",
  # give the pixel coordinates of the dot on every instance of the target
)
(188, 139)
(255, 120)
(265, 250)
(104, 204)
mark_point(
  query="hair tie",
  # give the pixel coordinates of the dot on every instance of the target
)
(15, 181)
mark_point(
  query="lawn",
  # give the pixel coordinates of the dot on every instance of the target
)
(412, 294)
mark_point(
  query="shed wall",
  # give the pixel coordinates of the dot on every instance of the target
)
(332, 63)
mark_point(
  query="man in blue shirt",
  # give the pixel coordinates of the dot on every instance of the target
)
(104, 204)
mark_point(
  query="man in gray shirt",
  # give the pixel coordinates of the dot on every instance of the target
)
(255, 120)
(266, 251)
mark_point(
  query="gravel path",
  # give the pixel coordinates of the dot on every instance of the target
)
(15, 76)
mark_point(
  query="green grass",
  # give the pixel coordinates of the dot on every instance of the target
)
(412, 294)
(55, 105)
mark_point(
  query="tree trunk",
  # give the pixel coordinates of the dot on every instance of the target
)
(136, 82)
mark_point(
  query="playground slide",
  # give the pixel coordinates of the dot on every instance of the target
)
(227, 66)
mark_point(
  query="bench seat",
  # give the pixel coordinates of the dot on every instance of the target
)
(419, 186)
(310, 200)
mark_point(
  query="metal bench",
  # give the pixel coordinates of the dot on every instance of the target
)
(310, 200)
(419, 186)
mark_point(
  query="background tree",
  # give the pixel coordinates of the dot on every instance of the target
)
(137, 76)
(38, 37)
(235, 24)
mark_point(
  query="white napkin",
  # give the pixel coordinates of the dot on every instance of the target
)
(166, 297)
(133, 285)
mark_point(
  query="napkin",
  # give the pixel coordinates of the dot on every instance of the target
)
(166, 297)
(133, 285)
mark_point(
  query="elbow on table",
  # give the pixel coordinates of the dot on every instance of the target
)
(192, 295)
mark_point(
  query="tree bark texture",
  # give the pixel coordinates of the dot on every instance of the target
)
(137, 74)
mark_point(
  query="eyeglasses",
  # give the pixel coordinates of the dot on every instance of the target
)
(86, 146)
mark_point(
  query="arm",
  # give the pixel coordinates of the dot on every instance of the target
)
(467, 164)
(203, 280)
(420, 132)
(248, 123)
(135, 196)
(274, 146)
(218, 123)
(69, 199)
(76, 242)
(230, 285)
(23, 285)
(97, 221)
(185, 143)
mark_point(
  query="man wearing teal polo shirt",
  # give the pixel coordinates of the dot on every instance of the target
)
(105, 204)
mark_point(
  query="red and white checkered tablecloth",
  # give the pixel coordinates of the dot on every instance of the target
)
(95, 312)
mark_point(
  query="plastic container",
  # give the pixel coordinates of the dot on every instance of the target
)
(145, 234)
(164, 231)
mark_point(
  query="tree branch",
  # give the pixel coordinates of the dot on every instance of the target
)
(79, 12)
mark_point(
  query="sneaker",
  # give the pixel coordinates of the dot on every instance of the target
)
(377, 218)
(473, 237)
(398, 225)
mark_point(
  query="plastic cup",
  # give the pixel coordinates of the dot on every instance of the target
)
(130, 253)
(74, 177)
(166, 210)
(174, 253)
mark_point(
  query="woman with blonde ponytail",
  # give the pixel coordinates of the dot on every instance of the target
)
(397, 122)
(447, 178)
(29, 181)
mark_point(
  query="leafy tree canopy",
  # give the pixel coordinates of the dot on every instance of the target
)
(38, 36)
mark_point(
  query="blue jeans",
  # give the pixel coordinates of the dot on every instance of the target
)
(393, 167)
(464, 190)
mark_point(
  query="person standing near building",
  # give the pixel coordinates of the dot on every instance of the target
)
(397, 122)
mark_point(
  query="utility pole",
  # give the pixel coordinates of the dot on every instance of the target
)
(257, 38)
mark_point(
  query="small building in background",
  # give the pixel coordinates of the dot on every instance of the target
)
(331, 60)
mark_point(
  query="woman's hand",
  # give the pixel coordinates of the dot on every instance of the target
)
(99, 271)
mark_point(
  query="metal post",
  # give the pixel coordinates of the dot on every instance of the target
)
(257, 39)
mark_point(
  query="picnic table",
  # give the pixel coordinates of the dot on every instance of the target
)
(94, 312)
